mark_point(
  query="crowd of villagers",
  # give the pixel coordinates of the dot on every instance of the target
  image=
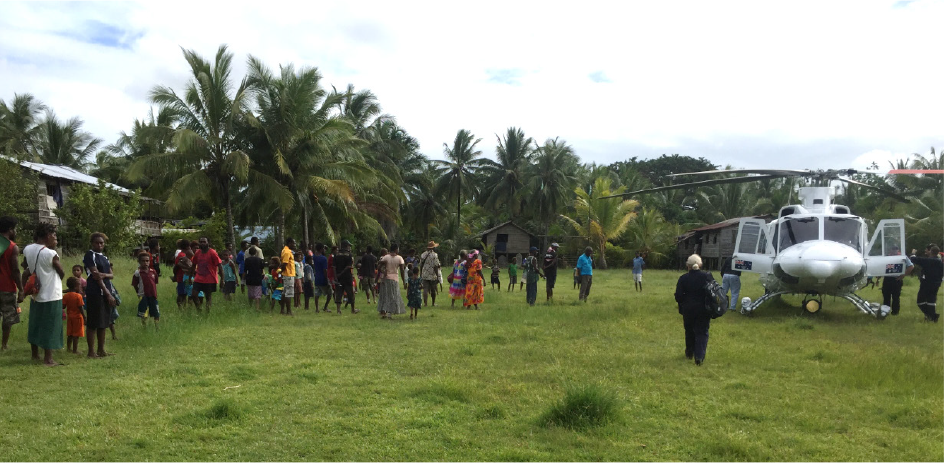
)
(87, 304)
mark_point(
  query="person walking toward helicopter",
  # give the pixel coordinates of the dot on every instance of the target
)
(690, 295)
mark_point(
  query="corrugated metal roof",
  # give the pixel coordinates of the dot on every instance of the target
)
(67, 173)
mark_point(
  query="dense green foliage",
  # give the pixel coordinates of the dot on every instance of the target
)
(19, 195)
(465, 385)
(92, 209)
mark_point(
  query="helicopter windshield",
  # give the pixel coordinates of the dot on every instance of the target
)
(798, 230)
(845, 230)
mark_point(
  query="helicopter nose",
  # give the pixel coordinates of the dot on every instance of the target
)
(821, 260)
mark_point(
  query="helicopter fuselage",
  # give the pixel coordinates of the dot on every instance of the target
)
(817, 249)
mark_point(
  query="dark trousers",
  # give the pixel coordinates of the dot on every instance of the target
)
(927, 298)
(891, 293)
(586, 281)
(532, 291)
(696, 335)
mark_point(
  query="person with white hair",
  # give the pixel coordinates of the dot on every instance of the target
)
(690, 294)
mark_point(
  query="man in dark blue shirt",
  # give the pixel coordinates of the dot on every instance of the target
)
(932, 271)
(322, 286)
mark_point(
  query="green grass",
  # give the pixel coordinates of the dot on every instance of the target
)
(480, 385)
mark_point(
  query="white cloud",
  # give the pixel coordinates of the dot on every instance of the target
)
(753, 84)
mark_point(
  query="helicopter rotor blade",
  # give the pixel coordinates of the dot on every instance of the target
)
(719, 181)
(778, 172)
(881, 190)
(915, 171)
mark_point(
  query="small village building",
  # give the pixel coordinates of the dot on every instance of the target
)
(55, 183)
(712, 242)
(507, 241)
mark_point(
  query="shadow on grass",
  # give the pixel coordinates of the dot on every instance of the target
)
(441, 393)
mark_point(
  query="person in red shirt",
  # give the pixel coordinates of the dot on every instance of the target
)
(144, 282)
(206, 269)
(11, 285)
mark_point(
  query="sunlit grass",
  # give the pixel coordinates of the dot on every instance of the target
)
(480, 385)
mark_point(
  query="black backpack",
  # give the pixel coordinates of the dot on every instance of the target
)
(716, 302)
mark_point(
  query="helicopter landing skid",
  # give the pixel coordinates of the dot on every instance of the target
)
(871, 308)
(749, 308)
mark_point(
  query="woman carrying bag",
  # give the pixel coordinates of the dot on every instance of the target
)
(690, 294)
(45, 273)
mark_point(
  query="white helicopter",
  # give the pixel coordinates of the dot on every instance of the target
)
(815, 248)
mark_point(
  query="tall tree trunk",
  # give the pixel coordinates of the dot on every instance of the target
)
(230, 231)
(602, 262)
(280, 233)
(458, 216)
(305, 219)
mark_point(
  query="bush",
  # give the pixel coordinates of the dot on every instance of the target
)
(19, 197)
(90, 209)
(582, 408)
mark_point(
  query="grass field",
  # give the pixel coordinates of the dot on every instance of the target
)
(479, 385)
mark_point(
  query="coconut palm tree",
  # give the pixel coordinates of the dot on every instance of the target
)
(504, 179)
(650, 233)
(154, 134)
(20, 125)
(550, 181)
(64, 143)
(601, 220)
(313, 154)
(458, 174)
(209, 162)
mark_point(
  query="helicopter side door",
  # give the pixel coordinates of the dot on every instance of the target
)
(753, 251)
(884, 254)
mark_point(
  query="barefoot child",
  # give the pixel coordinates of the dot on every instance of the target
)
(512, 274)
(75, 318)
(414, 293)
(229, 270)
(254, 269)
(299, 278)
(77, 271)
(144, 283)
(496, 273)
(275, 283)
(308, 286)
(181, 271)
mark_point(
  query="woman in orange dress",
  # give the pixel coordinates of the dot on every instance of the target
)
(475, 281)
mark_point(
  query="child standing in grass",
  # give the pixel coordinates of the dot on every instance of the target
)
(512, 273)
(414, 293)
(275, 283)
(254, 268)
(308, 286)
(75, 319)
(299, 278)
(77, 273)
(228, 269)
(496, 273)
(144, 282)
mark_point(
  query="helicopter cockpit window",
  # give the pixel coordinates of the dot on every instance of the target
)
(796, 231)
(844, 230)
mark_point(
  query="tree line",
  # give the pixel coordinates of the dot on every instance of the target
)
(280, 147)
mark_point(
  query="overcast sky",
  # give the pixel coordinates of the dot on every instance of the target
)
(794, 84)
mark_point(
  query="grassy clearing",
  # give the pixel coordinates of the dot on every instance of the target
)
(467, 385)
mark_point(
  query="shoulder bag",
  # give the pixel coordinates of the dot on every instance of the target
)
(32, 284)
